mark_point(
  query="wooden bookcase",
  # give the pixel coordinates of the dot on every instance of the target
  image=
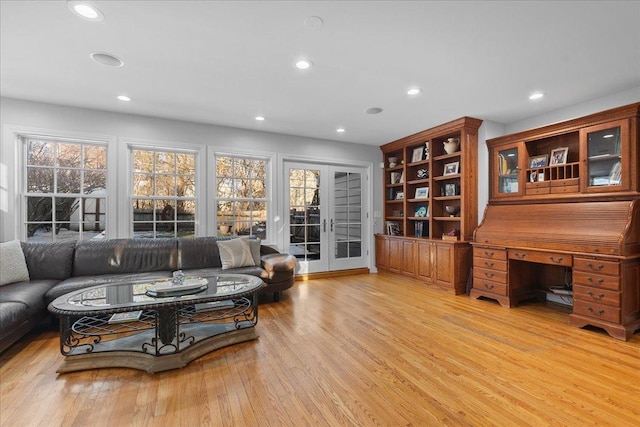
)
(421, 181)
(573, 222)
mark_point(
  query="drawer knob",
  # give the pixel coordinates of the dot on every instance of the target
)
(519, 255)
(488, 286)
(592, 295)
(488, 264)
(489, 275)
(599, 313)
(553, 259)
(595, 267)
(488, 254)
(597, 282)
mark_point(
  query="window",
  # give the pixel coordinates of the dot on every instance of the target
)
(65, 189)
(241, 191)
(164, 193)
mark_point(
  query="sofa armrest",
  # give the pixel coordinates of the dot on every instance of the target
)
(278, 262)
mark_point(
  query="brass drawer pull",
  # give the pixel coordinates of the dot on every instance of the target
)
(593, 267)
(488, 264)
(488, 254)
(519, 255)
(600, 312)
(488, 286)
(554, 260)
(597, 282)
(592, 295)
(489, 275)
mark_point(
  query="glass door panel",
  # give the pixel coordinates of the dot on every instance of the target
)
(346, 223)
(304, 214)
(604, 163)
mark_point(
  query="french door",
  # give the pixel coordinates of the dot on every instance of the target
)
(325, 228)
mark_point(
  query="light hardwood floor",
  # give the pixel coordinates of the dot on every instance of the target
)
(365, 350)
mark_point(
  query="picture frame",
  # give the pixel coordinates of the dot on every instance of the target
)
(451, 168)
(534, 176)
(426, 150)
(395, 177)
(400, 195)
(393, 229)
(417, 154)
(558, 156)
(538, 161)
(422, 193)
(422, 211)
(450, 189)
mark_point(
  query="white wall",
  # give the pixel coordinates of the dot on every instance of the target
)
(21, 113)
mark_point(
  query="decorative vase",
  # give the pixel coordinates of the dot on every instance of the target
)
(451, 145)
(393, 161)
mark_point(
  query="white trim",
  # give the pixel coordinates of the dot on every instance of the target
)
(12, 226)
(124, 189)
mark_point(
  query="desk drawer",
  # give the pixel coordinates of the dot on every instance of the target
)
(490, 263)
(596, 311)
(492, 275)
(596, 280)
(566, 189)
(597, 266)
(541, 257)
(596, 295)
(488, 286)
(490, 253)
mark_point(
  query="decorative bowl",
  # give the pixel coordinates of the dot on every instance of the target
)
(452, 210)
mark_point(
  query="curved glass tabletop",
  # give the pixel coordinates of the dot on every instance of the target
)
(136, 295)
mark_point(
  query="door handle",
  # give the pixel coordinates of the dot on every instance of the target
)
(331, 225)
(324, 225)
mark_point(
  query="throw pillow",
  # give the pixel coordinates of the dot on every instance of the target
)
(235, 253)
(254, 246)
(13, 266)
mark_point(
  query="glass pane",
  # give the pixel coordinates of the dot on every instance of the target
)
(355, 249)
(65, 207)
(340, 214)
(342, 250)
(142, 210)
(142, 161)
(224, 166)
(165, 163)
(39, 232)
(355, 214)
(297, 234)
(355, 232)
(39, 209)
(40, 153)
(258, 189)
(603, 151)
(313, 233)
(94, 180)
(69, 155)
(142, 184)
(186, 210)
(95, 157)
(313, 216)
(39, 180)
(340, 180)
(296, 197)
(186, 186)
(508, 171)
(94, 216)
(341, 232)
(313, 251)
(186, 163)
(68, 181)
(311, 197)
(225, 187)
(165, 210)
(297, 251)
(165, 185)
(186, 229)
(143, 230)
(341, 198)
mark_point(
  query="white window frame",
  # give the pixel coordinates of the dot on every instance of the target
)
(125, 226)
(12, 186)
(270, 158)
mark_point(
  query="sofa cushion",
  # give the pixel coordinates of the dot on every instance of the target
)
(12, 314)
(207, 272)
(254, 247)
(49, 260)
(235, 253)
(200, 252)
(121, 256)
(13, 267)
(29, 293)
(81, 282)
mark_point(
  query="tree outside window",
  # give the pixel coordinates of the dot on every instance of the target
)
(65, 190)
(241, 204)
(164, 193)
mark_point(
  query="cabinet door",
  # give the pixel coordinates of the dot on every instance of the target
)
(506, 171)
(424, 267)
(443, 264)
(606, 157)
(395, 255)
(409, 257)
(382, 252)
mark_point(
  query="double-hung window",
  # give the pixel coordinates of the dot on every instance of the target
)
(65, 189)
(241, 195)
(164, 193)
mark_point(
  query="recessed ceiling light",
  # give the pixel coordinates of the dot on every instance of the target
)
(609, 135)
(373, 110)
(536, 95)
(414, 91)
(124, 98)
(260, 118)
(303, 64)
(341, 130)
(313, 22)
(106, 59)
(85, 10)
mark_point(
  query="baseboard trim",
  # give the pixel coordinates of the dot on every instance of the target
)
(328, 274)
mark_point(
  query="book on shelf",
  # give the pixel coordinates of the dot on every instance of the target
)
(615, 175)
(130, 316)
(393, 229)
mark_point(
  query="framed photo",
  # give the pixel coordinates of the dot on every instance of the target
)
(400, 195)
(417, 154)
(395, 177)
(451, 168)
(393, 229)
(533, 177)
(450, 190)
(538, 161)
(422, 211)
(426, 150)
(422, 193)
(559, 156)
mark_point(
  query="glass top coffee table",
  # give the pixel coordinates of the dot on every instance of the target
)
(155, 326)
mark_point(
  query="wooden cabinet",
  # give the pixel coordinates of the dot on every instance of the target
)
(591, 156)
(564, 210)
(431, 198)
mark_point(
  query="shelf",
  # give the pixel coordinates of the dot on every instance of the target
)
(395, 201)
(447, 156)
(425, 200)
(418, 218)
(447, 198)
(445, 177)
(447, 218)
(421, 162)
(394, 185)
(419, 181)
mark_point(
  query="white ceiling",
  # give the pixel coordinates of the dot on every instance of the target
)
(224, 62)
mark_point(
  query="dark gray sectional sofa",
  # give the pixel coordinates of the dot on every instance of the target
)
(56, 268)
